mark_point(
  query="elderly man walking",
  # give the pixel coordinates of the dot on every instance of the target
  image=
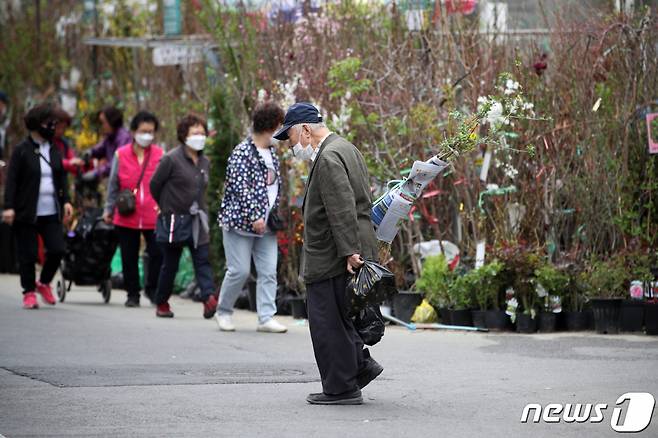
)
(338, 236)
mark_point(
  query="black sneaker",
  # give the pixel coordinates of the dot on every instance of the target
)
(346, 398)
(370, 372)
(132, 302)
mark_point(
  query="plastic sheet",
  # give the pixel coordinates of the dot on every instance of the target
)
(425, 313)
(185, 274)
(372, 284)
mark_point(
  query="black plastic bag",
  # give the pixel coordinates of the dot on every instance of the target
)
(372, 284)
(369, 323)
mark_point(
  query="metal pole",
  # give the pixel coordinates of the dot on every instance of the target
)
(37, 4)
(94, 49)
(136, 78)
(412, 326)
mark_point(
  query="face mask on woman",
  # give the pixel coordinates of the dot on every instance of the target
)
(196, 142)
(144, 140)
(48, 131)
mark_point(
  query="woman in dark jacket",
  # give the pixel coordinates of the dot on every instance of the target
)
(37, 202)
(179, 187)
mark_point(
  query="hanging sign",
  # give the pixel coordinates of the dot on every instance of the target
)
(176, 55)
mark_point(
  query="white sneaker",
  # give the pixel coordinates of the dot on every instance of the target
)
(224, 322)
(272, 326)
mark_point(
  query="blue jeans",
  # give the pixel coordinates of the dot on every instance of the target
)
(202, 270)
(239, 250)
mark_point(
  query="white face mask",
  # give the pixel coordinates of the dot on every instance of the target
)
(196, 142)
(303, 153)
(144, 140)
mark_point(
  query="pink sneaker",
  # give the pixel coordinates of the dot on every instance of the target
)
(30, 301)
(46, 293)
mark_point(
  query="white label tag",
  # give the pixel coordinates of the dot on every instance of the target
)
(479, 254)
(484, 172)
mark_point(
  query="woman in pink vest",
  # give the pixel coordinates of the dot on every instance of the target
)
(131, 207)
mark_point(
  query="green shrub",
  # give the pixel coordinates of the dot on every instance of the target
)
(554, 283)
(434, 281)
(606, 279)
(462, 291)
(487, 283)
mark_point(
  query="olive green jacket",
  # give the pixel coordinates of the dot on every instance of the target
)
(336, 211)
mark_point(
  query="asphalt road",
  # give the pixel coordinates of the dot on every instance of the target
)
(86, 369)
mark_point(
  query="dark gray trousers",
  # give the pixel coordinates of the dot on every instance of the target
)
(337, 346)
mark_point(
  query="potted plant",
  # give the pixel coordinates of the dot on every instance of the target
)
(434, 281)
(574, 299)
(517, 277)
(487, 297)
(551, 284)
(482, 300)
(632, 308)
(523, 297)
(462, 296)
(297, 301)
(606, 286)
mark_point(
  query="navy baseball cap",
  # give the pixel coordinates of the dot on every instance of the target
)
(300, 112)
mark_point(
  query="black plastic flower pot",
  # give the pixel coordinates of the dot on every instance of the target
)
(283, 296)
(405, 303)
(651, 318)
(445, 315)
(298, 307)
(497, 320)
(479, 318)
(547, 322)
(576, 321)
(461, 317)
(632, 316)
(525, 323)
(590, 319)
(607, 313)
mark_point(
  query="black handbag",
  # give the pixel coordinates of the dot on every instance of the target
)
(126, 200)
(175, 229)
(274, 222)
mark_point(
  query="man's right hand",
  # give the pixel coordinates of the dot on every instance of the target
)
(354, 262)
(259, 226)
(107, 218)
(8, 216)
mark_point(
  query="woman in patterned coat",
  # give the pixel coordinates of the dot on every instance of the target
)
(251, 194)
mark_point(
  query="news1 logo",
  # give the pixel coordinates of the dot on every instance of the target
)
(639, 412)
